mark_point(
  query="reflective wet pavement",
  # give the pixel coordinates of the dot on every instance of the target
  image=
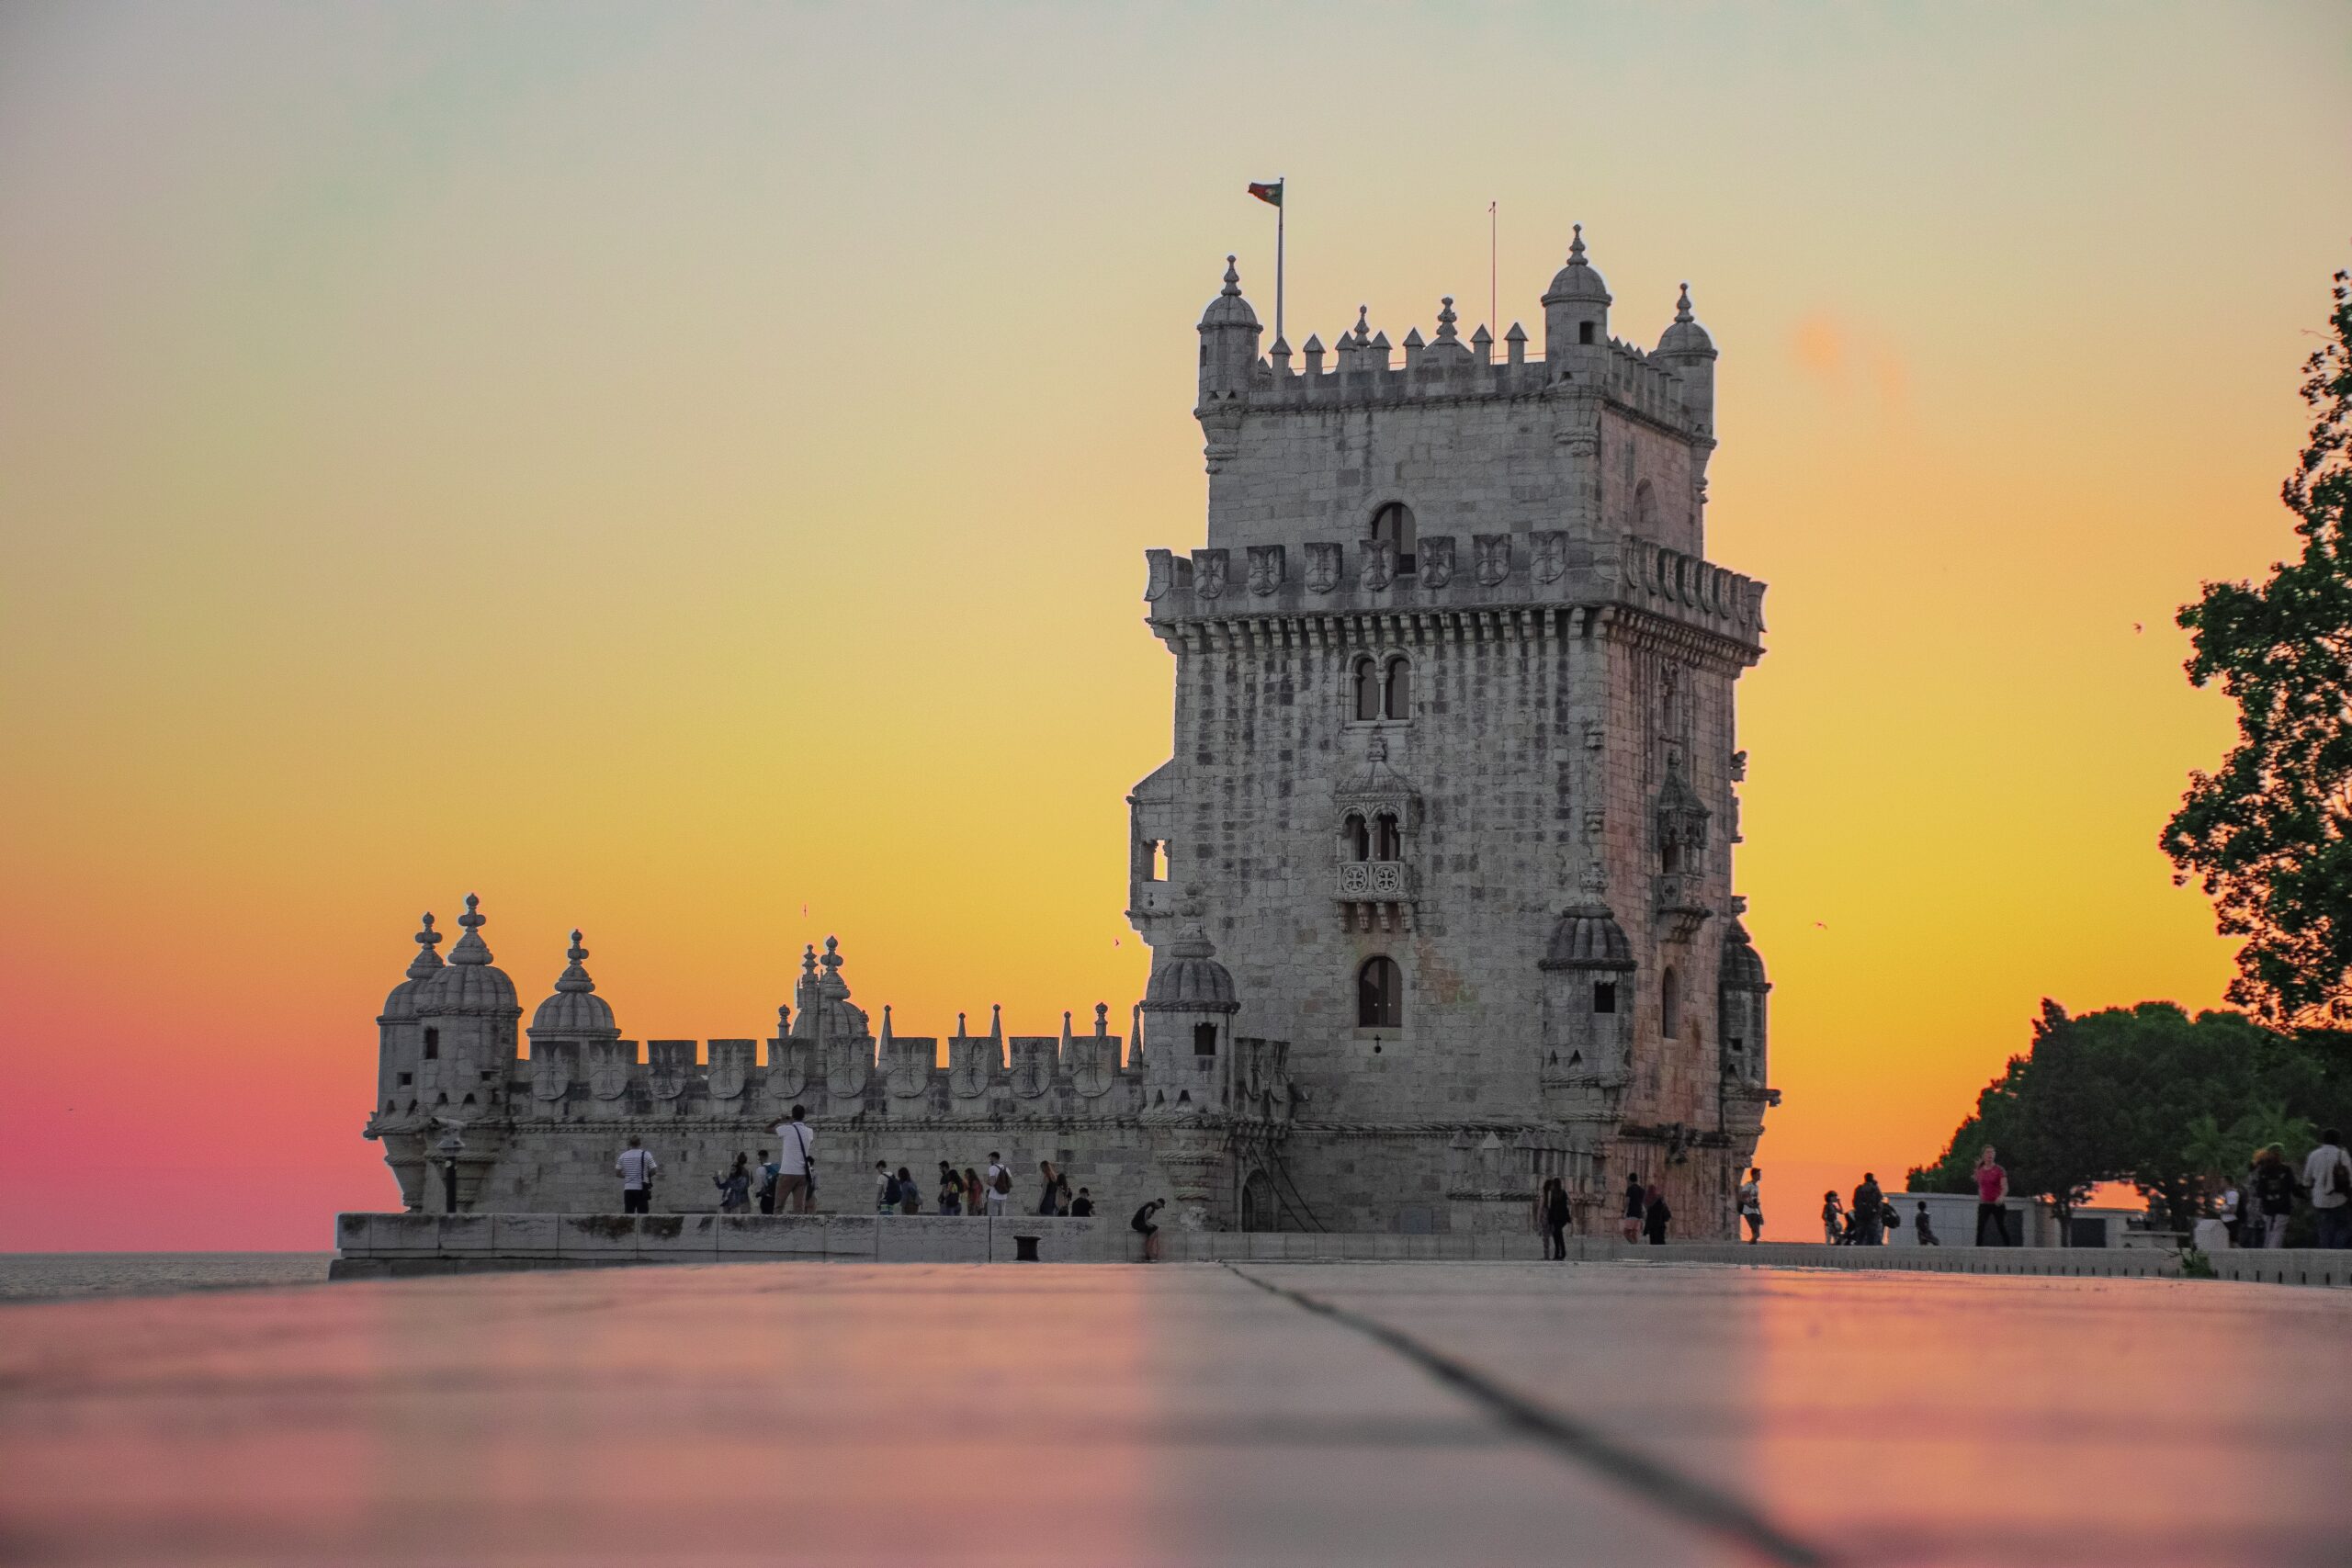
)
(1264, 1413)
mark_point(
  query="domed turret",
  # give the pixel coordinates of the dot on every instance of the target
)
(1690, 353)
(1588, 937)
(1742, 1020)
(1743, 968)
(1190, 979)
(1576, 308)
(1228, 342)
(575, 1011)
(469, 984)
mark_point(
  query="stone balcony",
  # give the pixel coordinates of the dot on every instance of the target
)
(1374, 879)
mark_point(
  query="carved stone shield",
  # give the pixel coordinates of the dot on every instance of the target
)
(1379, 567)
(1095, 1065)
(967, 1067)
(787, 1071)
(1437, 561)
(1551, 555)
(1159, 573)
(1208, 573)
(730, 1074)
(1322, 568)
(849, 1067)
(608, 1069)
(1494, 558)
(551, 1069)
(1265, 568)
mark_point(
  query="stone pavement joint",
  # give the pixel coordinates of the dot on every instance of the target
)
(1687, 1499)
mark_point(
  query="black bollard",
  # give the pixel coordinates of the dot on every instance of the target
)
(449, 1186)
(1025, 1249)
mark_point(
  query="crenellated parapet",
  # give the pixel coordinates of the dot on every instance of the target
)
(1456, 588)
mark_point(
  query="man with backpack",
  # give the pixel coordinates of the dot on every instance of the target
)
(637, 1167)
(2328, 1172)
(999, 1185)
(886, 1197)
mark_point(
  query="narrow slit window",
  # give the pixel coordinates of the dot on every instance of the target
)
(1670, 1006)
(432, 1044)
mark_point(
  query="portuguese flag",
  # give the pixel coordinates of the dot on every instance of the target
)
(1270, 195)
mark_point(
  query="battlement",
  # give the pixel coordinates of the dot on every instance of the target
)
(1369, 375)
(1542, 568)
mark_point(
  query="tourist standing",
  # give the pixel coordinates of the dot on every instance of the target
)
(2327, 1175)
(1751, 1204)
(1655, 1216)
(1083, 1206)
(767, 1174)
(1991, 1198)
(974, 1192)
(951, 1190)
(1049, 1197)
(1142, 1226)
(999, 1184)
(796, 1163)
(735, 1186)
(886, 1189)
(910, 1195)
(1927, 1232)
(637, 1167)
(1556, 1219)
(1833, 1216)
(1636, 1207)
(1870, 1208)
(2230, 1215)
(2274, 1197)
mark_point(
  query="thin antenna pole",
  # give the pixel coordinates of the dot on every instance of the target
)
(1494, 235)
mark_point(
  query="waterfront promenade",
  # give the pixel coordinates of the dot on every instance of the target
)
(1213, 1413)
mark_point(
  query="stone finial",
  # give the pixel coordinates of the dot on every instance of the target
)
(783, 1019)
(885, 1023)
(808, 961)
(1482, 343)
(833, 959)
(996, 1020)
(1232, 279)
(1517, 334)
(961, 1033)
(1065, 1029)
(470, 948)
(1363, 328)
(1682, 306)
(1575, 247)
(428, 957)
(1445, 319)
(1313, 344)
(1101, 1019)
(575, 977)
(1413, 338)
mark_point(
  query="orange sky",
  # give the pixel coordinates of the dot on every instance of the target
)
(683, 472)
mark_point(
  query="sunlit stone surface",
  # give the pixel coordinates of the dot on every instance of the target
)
(997, 1413)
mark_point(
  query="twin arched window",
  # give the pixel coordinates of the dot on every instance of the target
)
(1380, 995)
(1384, 688)
(1377, 840)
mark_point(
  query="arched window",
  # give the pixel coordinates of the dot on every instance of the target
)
(1669, 1002)
(1204, 1040)
(1380, 995)
(1645, 509)
(1359, 838)
(1386, 843)
(1367, 688)
(1396, 690)
(1392, 525)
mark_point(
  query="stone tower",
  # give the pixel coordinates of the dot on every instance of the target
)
(1452, 791)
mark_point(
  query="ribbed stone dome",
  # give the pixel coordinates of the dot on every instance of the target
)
(1577, 280)
(1742, 969)
(1684, 334)
(470, 983)
(1588, 937)
(575, 1010)
(1229, 308)
(1190, 979)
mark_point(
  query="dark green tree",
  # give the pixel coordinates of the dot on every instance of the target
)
(2270, 835)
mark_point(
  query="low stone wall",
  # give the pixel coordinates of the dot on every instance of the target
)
(377, 1244)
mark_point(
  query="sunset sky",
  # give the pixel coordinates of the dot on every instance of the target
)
(683, 472)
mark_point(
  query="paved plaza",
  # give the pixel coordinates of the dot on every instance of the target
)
(1257, 1413)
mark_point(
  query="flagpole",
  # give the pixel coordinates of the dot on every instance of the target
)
(1494, 299)
(1282, 212)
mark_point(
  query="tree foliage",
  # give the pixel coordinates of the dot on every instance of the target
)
(2145, 1095)
(2269, 834)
